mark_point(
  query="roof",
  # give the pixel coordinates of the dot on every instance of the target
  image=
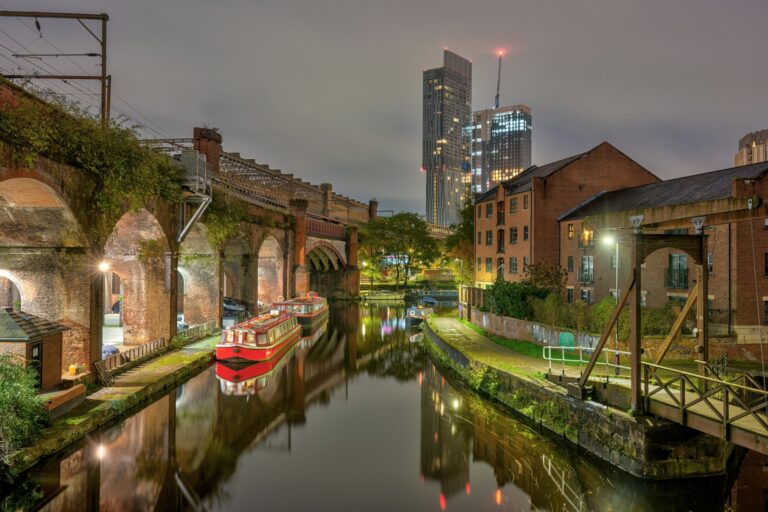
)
(687, 189)
(522, 182)
(16, 325)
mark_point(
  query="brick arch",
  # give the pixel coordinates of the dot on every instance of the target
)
(271, 271)
(138, 251)
(198, 265)
(326, 253)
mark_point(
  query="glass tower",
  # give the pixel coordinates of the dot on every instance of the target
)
(500, 145)
(447, 109)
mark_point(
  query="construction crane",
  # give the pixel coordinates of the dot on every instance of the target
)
(498, 80)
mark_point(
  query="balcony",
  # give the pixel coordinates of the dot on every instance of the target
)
(500, 249)
(586, 276)
(676, 278)
(500, 219)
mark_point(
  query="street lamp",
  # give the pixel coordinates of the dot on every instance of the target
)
(610, 240)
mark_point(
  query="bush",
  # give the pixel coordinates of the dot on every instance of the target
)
(513, 298)
(600, 315)
(22, 411)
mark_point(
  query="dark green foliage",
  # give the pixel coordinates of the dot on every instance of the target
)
(22, 412)
(547, 275)
(222, 218)
(460, 245)
(513, 298)
(125, 174)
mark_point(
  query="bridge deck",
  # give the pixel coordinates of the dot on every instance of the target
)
(746, 431)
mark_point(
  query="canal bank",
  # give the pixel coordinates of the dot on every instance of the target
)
(129, 390)
(642, 446)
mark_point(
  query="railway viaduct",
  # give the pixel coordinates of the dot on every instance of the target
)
(165, 258)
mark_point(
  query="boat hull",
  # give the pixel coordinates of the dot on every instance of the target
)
(240, 352)
(310, 323)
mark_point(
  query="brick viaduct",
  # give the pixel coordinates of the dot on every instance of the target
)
(50, 259)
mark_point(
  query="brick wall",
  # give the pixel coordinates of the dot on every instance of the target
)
(52, 368)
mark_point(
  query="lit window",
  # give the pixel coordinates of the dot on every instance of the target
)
(571, 231)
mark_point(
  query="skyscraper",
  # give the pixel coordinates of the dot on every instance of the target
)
(500, 145)
(447, 109)
(753, 148)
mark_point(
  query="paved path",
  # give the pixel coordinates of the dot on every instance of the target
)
(482, 349)
(109, 403)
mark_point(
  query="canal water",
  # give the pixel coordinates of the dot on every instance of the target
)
(358, 419)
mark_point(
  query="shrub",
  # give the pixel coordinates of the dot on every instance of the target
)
(22, 411)
(513, 298)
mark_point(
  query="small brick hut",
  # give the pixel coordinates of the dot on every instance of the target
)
(34, 341)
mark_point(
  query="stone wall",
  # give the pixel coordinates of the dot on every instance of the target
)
(643, 446)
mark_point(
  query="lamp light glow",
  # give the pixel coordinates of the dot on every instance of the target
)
(104, 266)
(609, 240)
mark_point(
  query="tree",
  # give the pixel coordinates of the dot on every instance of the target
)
(513, 298)
(459, 245)
(409, 243)
(374, 239)
(22, 411)
(547, 275)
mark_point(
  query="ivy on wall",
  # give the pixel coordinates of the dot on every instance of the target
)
(223, 217)
(126, 173)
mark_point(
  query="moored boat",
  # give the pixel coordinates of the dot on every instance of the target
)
(260, 338)
(311, 310)
(383, 296)
(417, 314)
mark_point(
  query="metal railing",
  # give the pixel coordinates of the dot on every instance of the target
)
(578, 354)
(728, 401)
(676, 278)
(117, 360)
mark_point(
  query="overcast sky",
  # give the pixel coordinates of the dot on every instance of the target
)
(331, 90)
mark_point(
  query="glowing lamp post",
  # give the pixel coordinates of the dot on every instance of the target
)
(610, 240)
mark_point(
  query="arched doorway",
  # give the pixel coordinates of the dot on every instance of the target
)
(270, 272)
(137, 251)
(10, 296)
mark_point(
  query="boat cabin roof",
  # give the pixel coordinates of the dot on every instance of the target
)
(262, 323)
(301, 300)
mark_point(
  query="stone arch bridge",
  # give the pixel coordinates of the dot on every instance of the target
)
(160, 263)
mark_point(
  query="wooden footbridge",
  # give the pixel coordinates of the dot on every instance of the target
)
(732, 408)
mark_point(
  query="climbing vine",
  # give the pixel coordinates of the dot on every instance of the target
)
(222, 218)
(125, 173)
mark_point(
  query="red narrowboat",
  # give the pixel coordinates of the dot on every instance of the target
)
(311, 310)
(260, 338)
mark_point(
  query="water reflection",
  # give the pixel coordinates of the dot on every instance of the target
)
(355, 419)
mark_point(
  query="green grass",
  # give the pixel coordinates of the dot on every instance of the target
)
(525, 348)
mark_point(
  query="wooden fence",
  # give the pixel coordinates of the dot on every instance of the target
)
(117, 360)
(197, 330)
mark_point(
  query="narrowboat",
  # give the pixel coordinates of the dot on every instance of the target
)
(310, 310)
(260, 338)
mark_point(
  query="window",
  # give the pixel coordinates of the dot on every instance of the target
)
(614, 262)
(489, 237)
(489, 210)
(479, 262)
(571, 231)
(479, 211)
(525, 232)
(765, 312)
(500, 241)
(678, 231)
(677, 273)
(500, 266)
(569, 295)
(500, 217)
(570, 263)
(710, 262)
(512, 235)
(525, 202)
(513, 205)
(587, 238)
(513, 265)
(525, 263)
(766, 264)
(479, 237)
(586, 296)
(488, 264)
(586, 271)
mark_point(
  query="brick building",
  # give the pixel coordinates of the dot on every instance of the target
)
(753, 148)
(516, 222)
(731, 202)
(34, 342)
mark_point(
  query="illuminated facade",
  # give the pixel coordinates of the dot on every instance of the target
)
(500, 145)
(447, 108)
(753, 148)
